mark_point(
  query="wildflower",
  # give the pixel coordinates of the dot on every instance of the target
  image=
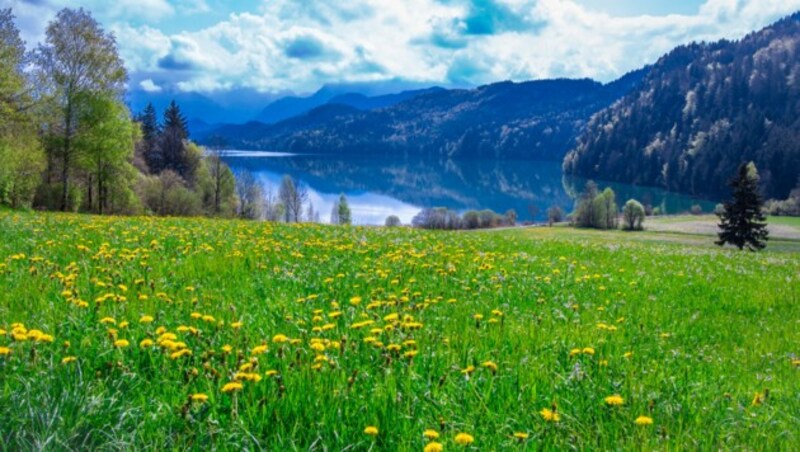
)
(280, 338)
(371, 431)
(355, 301)
(614, 400)
(643, 420)
(628, 354)
(550, 415)
(146, 319)
(464, 439)
(574, 351)
(318, 347)
(227, 349)
(410, 354)
(4, 351)
(430, 434)
(478, 316)
(199, 397)
(236, 325)
(433, 447)
(232, 387)
(68, 359)
(121, 343)
(106, 320)
(468, 370)
(259, 350)
(521, 436)
(181, 353)
(146, 343)
(759, 398)
(588, 351)
(490, 365)
(271, 373)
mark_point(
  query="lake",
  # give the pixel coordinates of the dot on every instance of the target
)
(377, 187)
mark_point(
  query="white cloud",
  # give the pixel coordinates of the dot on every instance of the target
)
(292, 45)
(150, 86)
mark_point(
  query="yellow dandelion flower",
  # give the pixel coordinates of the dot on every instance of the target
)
(280, 338)
(588, 351)
(181, 353)
(643, 420)
(410, 354)
(430, 433)
(5, 351)
(121, 343)
(199, 397)
(490, 365)
(433, 447)
(464, 439)
(468, 370)
(371, 430)
(549, 415)
(146, 343)
(146, 319)
(232, 387)
(69, 359)
(236, 325)
(259, 350)
(106, 320)
(614, 400)
(355, 301)
(520, 436)
(271, 373)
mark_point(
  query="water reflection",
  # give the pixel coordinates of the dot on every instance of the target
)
(377, 187)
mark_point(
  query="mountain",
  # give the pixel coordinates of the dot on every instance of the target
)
(237, 105)
(537, 119)
(345, 94)
(701, 111)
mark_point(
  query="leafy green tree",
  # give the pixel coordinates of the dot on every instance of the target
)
(345, 216)
(77, 61)
(510, 217)
(250, 194)
(742, 223)
(21, 156)
(555, 215)
(584, 210)
(392, 221)
(632, 215)
(605, 209)
(106, 142)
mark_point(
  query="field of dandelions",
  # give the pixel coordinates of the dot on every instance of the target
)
(193, 333)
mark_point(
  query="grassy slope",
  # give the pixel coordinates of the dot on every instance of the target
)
(705, 328)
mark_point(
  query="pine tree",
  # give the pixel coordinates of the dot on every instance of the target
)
(151, 130)
(742, 223)
(172, 141)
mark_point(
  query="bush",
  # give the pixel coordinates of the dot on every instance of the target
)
(555, 215)
(633, 215)
(696, 209)
(596, 210)
(392, 221)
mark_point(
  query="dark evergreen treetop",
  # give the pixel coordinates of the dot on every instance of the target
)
(175, 122)
(742, 222)
(149, 123)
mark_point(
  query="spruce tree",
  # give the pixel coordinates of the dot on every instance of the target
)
(173, 148)
(151, 130)
(742, 223)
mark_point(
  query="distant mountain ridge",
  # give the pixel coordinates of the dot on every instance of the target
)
(536, 119)
(701, 111)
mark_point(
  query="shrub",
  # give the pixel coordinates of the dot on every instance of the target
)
(696, 209)
(633, 215)
(392, 221)
(555, 215)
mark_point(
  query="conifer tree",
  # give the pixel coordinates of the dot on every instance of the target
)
(173, 148)
(344, 210)
(151, 130)
(742, 223)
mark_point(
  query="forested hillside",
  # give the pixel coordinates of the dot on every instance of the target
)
(701, 111)
(538, 119)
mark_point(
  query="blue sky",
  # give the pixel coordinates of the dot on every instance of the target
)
(280, 46)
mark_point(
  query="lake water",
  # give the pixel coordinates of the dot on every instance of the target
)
(377, 187)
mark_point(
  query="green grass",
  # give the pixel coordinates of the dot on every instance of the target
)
(686, 335)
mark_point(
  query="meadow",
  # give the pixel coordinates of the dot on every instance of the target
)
(193, 333)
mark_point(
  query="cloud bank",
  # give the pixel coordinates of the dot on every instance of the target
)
(289, 45)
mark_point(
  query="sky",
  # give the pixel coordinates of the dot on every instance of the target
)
(279, 46)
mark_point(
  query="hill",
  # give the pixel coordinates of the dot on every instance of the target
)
(537, 119)
(701, 111)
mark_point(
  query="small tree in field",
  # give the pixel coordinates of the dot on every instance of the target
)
(392, 221)
(555, 215)
(632, 215)
(345, 216)
(742, 223)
